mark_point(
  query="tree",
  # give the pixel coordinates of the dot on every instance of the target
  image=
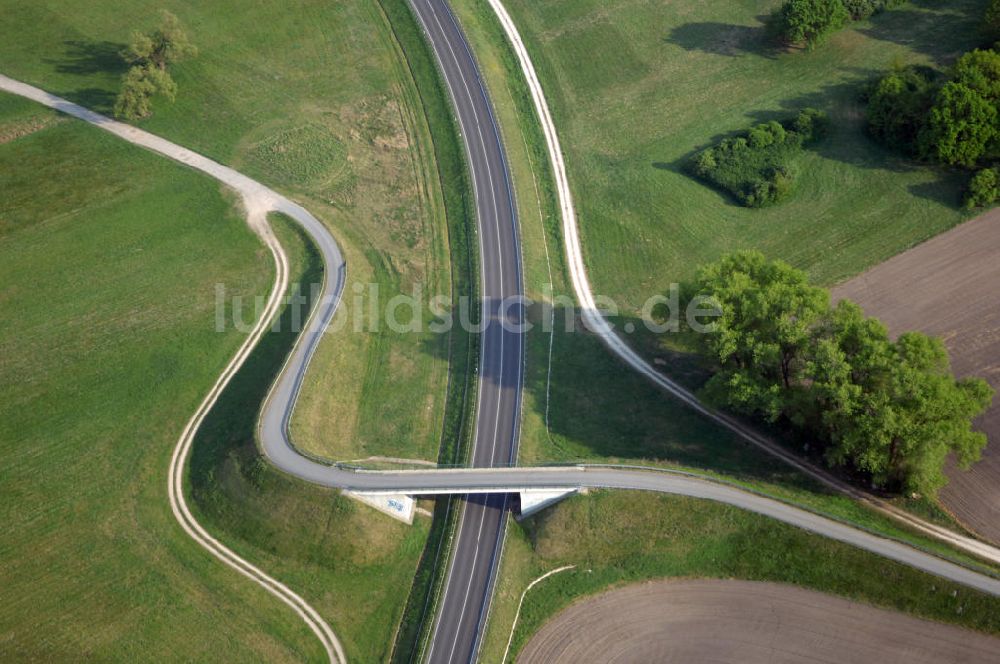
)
(769, 311)
(164, 46)
(150, 55)
(917, 415)
(961, 126)
(139, 84)
(810, 21)
(980, 71)
(984, 189)
(898, 105)
(891, 410)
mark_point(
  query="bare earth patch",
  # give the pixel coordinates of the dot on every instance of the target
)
(744, 622)
(948, 287)
(11, 131)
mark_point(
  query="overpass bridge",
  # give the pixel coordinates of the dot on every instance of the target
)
(395, 491)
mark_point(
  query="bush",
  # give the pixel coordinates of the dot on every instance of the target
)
(861, 9)
(756, 167)
(898, 105)
(811, 125)
(810, 21)
(984, 189)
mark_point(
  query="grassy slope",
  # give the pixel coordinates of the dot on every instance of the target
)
(617, 538)
(310, 97)
(673, 76)
(111, 274)
(346, 560)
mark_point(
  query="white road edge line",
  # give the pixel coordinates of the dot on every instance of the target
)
(599, 326)
(258, 201)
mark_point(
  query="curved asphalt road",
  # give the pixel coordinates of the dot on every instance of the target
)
(467, 593)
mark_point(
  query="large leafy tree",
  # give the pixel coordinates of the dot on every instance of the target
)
(893, 409)
(150, 55)
(768, 313)
(980, 70)
(961, 127)
(897, 108)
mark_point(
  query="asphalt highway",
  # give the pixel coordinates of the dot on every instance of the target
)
(475, 553)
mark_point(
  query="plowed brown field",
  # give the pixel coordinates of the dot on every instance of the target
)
(744, 622)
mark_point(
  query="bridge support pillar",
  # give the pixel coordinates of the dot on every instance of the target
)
(398, 506)
(535, 501)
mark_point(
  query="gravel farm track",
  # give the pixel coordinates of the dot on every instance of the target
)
(947, 287)
(744, 622)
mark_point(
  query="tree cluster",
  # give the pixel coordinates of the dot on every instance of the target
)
(891, 410)
(756, 167)
(149, 56)
(953, 121)
(810, 22)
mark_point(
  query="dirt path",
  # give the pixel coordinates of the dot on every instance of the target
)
(744, 622)
(950, 287)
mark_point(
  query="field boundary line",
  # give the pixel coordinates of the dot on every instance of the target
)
(517, 613)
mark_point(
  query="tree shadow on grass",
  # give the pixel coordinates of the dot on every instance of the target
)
(599, 408)
(727, 39)
(946, 188)
(96, 61)
(929, 27)
(96, 99)
(843, 104)
(84, 57)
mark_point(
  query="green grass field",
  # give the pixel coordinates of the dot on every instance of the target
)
(314, 99)
(623, 537)
(111, 274)
(101, 368)
(637, 87)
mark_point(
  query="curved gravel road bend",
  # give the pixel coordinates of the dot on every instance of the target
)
(259, 200)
